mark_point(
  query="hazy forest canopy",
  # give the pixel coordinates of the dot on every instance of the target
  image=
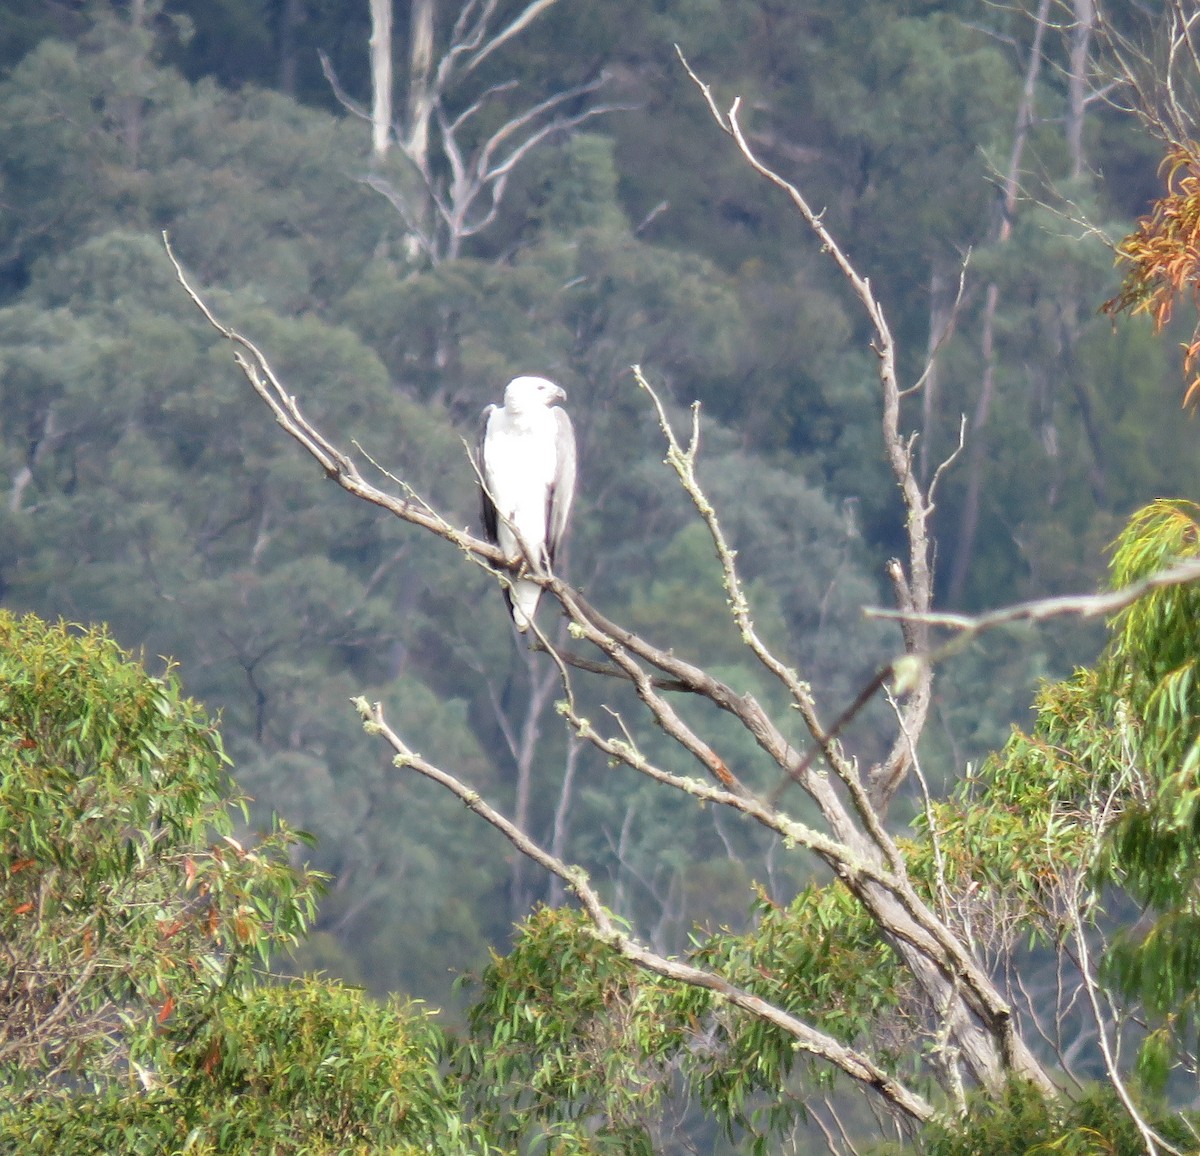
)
(142, 485)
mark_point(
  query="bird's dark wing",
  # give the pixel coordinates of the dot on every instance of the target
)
(562, 491)
(487, 507)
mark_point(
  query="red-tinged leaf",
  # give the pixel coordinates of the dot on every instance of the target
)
(189, 870)
(22, 908)
(21, 865)
(167, 1008)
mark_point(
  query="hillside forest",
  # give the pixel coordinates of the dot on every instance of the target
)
(565, 203)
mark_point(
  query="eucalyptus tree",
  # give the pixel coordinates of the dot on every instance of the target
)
(136, 923)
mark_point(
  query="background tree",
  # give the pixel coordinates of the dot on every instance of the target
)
(460, 171)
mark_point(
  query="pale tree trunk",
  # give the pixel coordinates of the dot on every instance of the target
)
(463, 196)
(543, 683)
(39, 442)
(1077, 78)
(290, 18)
(381, 78)
(133, 111)
(557, 894)
(978, 447)
(420, 94)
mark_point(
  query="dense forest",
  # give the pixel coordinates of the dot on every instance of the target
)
(561, 203)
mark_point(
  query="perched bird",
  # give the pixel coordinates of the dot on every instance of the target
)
(526, 459)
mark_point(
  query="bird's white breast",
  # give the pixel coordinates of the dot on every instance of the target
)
(520, 460)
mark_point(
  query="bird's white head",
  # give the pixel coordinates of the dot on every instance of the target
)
(524, 394)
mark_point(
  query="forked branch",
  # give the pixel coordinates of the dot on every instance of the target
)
(808, 1039)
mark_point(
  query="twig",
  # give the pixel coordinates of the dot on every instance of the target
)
(1152, 1141)
(971, 626)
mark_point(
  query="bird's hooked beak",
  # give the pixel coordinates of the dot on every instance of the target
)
(560, 394)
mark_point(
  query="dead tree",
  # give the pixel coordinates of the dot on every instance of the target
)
(454, 181)
(964, 1008)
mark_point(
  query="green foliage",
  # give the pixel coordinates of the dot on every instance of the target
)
(309, 1069)
(575, 188)
(564, 1029)
(253, 187)
(134, 1018)
(149, 492)
(127, 906)
(569, 1037)
(253, 42)
(935, 131)
(1115, 741)
(1102, 792)
(1153, 666)
(685, 600)
(1022, 1122)
(819, 958)
(1025, 824)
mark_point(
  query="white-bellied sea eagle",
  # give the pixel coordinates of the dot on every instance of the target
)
(526, 459)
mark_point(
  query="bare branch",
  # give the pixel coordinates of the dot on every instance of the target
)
(608, 670)
(949, 460)
(487, 170)
(444, 220)
(858, 850)
(517, 25)
(343, 98)
(487, 173)
(337, 466)
(684, 462)
(914, 588)
(971, 626)
(398, 202)
(478, 103)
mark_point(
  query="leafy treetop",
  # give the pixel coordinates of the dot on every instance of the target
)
(126, 903)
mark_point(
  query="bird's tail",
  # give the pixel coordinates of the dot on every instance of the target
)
(523, 601)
